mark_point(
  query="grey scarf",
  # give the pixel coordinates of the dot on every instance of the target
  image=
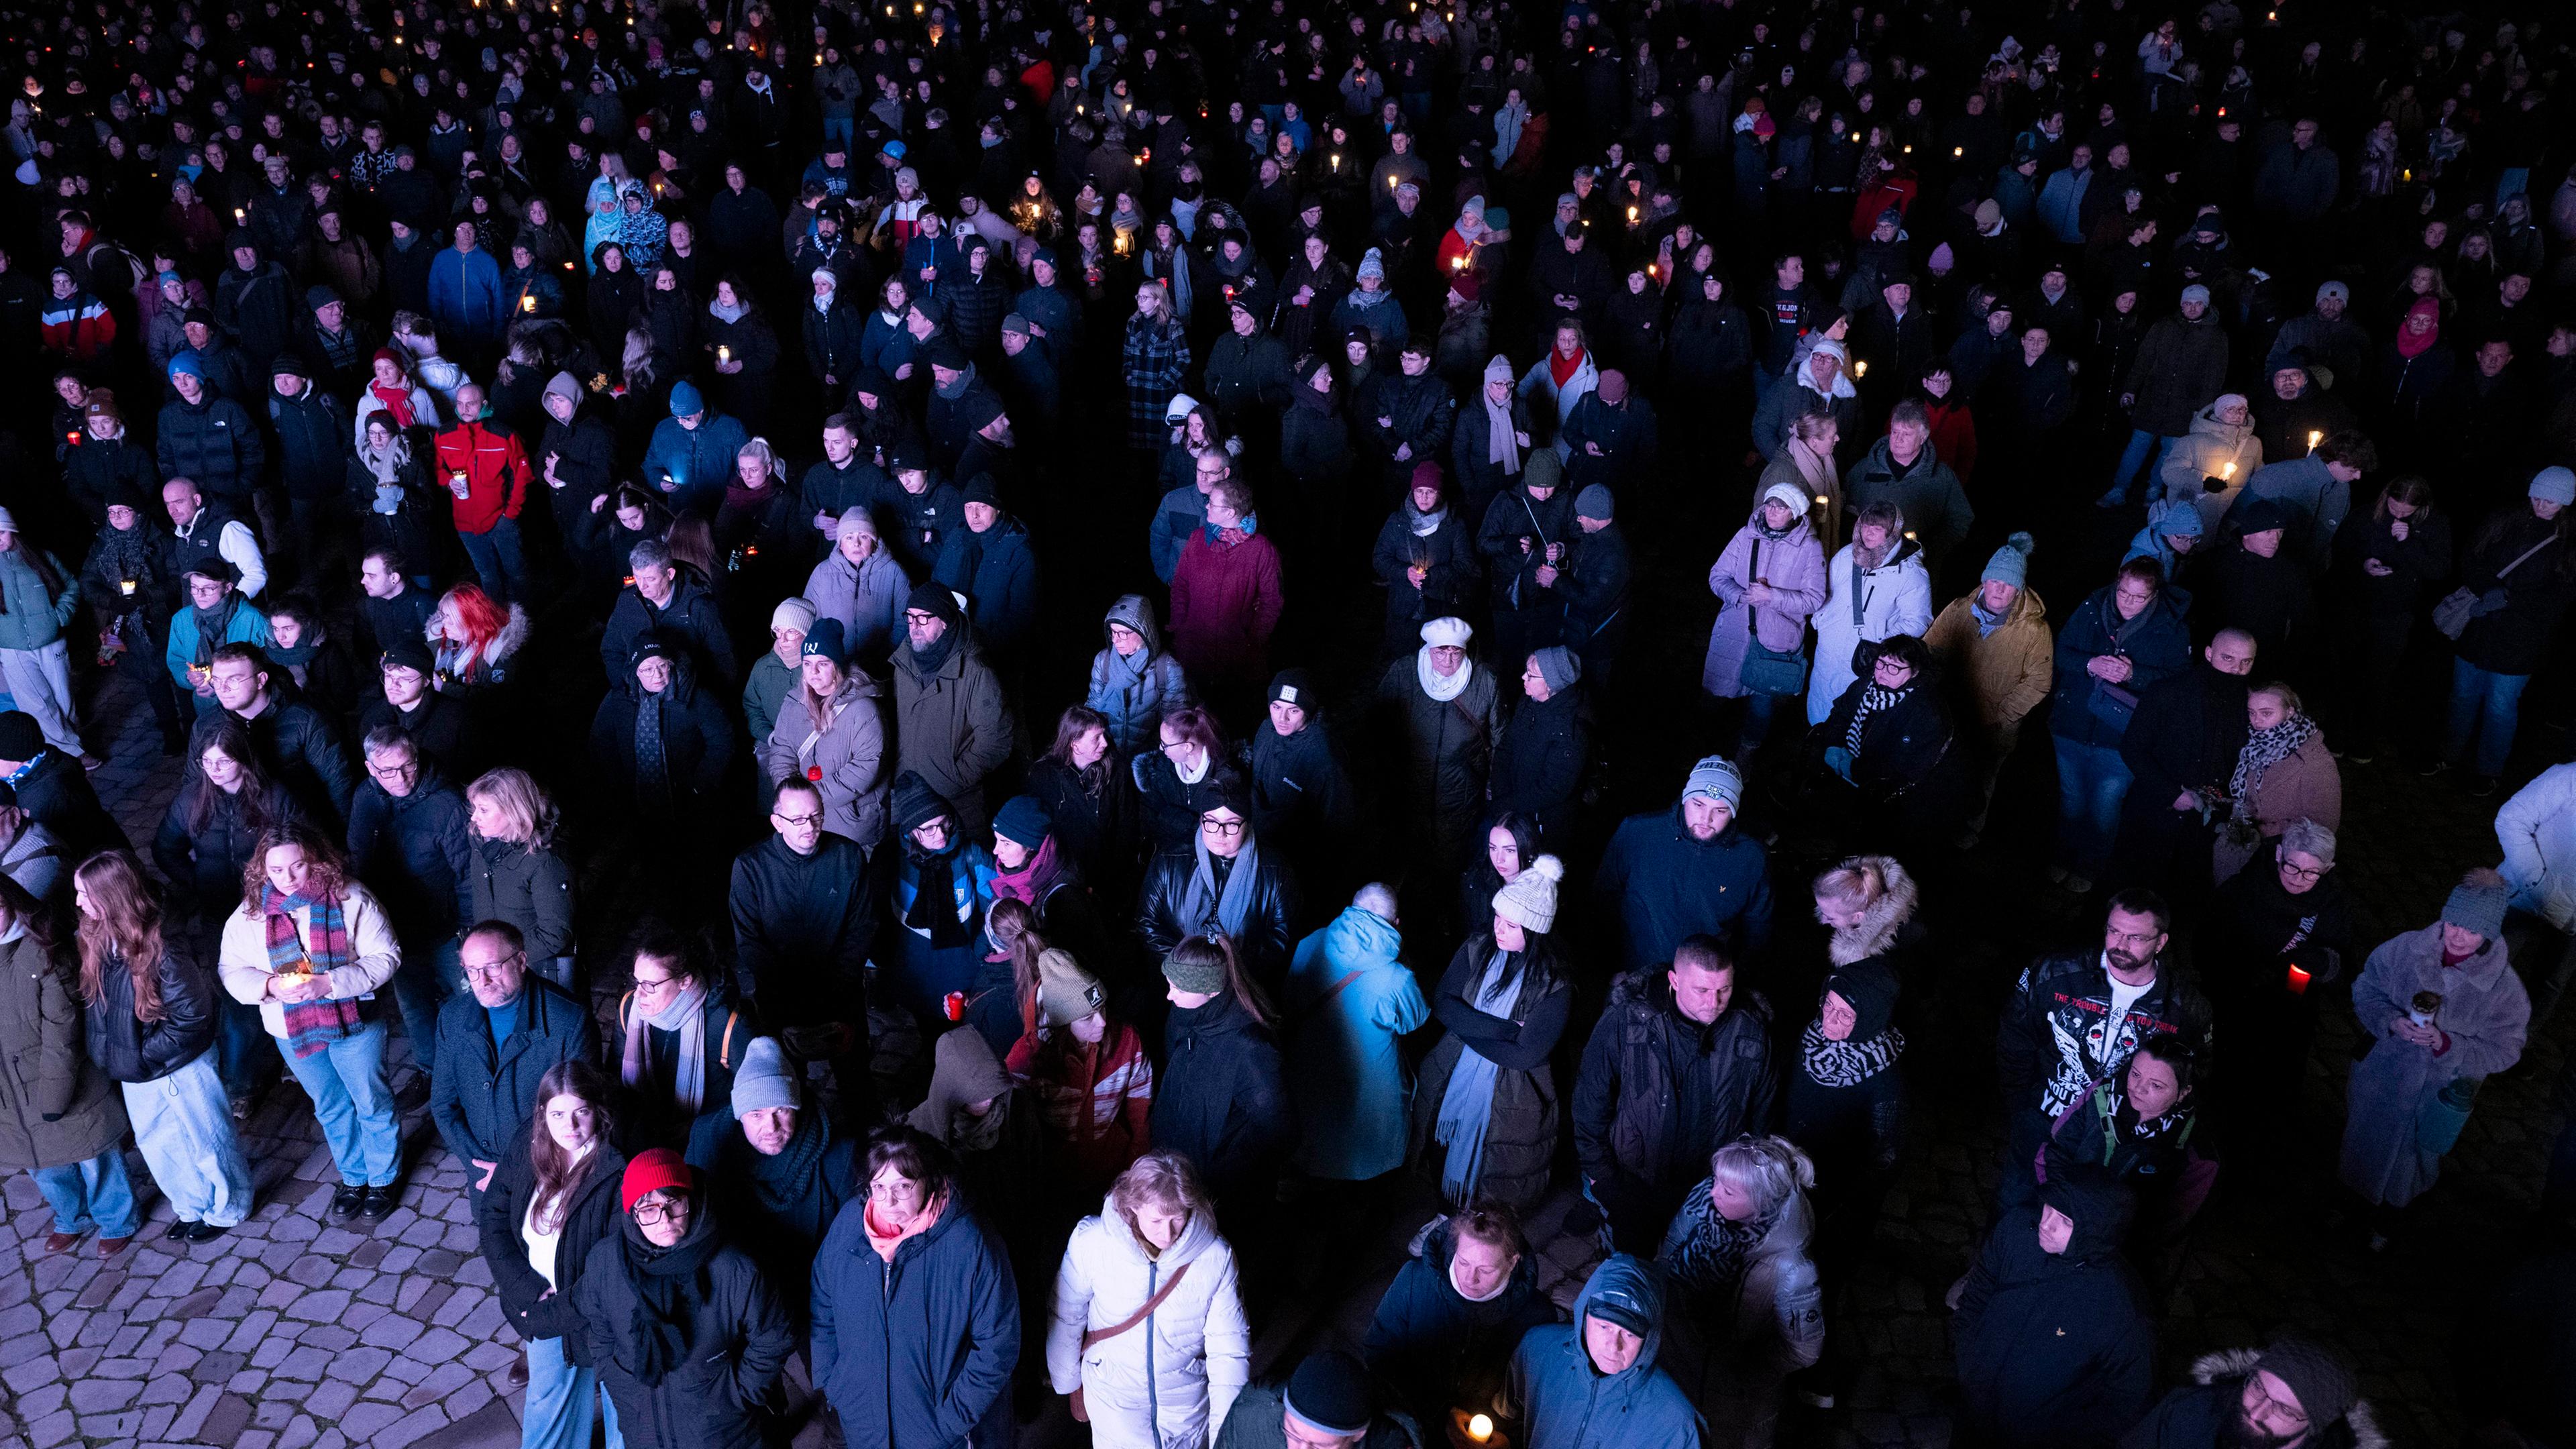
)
(1205, 906)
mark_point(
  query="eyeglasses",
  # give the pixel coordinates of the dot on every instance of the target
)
(649, 1213)
(2279, 1418)
(654, 983)
(799, 820)
(2301, 872)
(492, 970)
(1225, 827)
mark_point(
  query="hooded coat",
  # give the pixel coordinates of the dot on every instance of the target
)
(57, 1107)
(214, 443)
(2537, 830)
(1134, 692)
(998, 574)
(2193, 1417)
(1222, 1102)
(2484, 1018)
(736, 1342)
(1351, 997)
(1864, 606)
(866, 597)
(2213, 448)
(850, 753)
(917, 1350)
(1439, 1347)
(2052, 1350)
(2001, 673)
(1171, 1379)
(1734, 1341)
(1563, 1401)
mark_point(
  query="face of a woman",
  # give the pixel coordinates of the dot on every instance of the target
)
(287, 869)
(670, 1213)
(1090, 1029)
(1837, 1017)
(2262, 711)
(2152, 1089)
(571, 1122)
(1732, 1203)
(1508, 935)
(222, 770)
(896, 1198)
(485, 815)
(1089, 747)
(1892, 672)
(1503, 852)
(1161, 1225)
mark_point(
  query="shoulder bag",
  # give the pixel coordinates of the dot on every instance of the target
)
(2460, 606)
(1766, 670)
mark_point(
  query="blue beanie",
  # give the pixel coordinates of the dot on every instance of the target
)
(187, 361)
(824, 641)
(1023, 819)
(2011, 563)
(685, 401)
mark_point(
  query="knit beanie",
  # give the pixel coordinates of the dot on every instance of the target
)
(657, 1169)
(2477, 903)
(854, 519)
(21, 738)
(1717, 778)
(1543, 469)
(915, 802)
(2557, 485)
(932, 598)
(763, 1080)
(792, 613)
(685, 399)
(1201, 980)
(1330, 1393)
(187, 361)
(1528, 900)
(2316, 1374)
(2011, 563)
(824, 641)
(1066, 992)
(1559, 666)
(1595, 502)
(1024, 820)
(2196, 293)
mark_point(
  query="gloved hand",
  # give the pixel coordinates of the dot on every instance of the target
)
(1839, 760)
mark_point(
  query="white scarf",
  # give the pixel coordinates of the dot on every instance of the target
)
(1442, 689)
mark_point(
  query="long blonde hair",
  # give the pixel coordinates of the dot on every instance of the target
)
(128, 926)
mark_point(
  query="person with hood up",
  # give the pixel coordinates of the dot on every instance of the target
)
(1134, 681)
(660, 746)
(2443, 1012)
(952, 725)
(1352, 998)
(1843, 1102)
(1222, 1103)
(860, 586)
(1540, 759)
(943, 885)
(830, 731)
(1426, 556)
(2211, 467)
(2179, 369)
(1485, 1117)
(1876, 588)
(1748, 1309)
(1597, 1383)
(686, 1335)
(1904, 469)
(2295, 1394)
(990, 1124)
(1225, 595)
(1995, 647)
(1448, 709)
(1148, 1334)
(2053, 1351)
(2175, 535)
(1459, 1305)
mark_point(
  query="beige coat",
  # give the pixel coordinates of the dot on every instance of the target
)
(244, 967)
(2006, 673)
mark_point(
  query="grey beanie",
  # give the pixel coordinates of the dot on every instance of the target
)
(1717, 778)
(2011, 563)
(2477, 904)
(2317, 1375)
(2556, 485)
(2196, 293)
(1558, 666)
(792, 613)
(1595, 502)
(763, 1079)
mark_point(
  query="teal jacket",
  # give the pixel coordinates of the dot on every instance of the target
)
(32, 615)
(247, 623)
(1343, 1071)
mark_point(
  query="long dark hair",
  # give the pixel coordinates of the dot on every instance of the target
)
(559, 1175)
(1077, 721)
(1215, 949)
(128, 926)
(2410, 489)
(200, 798)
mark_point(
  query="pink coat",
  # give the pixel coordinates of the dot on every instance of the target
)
(1225, 603)
(1795, 569)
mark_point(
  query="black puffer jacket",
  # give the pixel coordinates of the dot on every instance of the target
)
(737, 1341)
(592, 1219)
(310, 442)
(1172, 806)
(1222, 1102)
(139, 1051)
(300, 749)
(1538, 766)
(97, 465)
(214, 443)
(1659, 1092)
(1269, 927)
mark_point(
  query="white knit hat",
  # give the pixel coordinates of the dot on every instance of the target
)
(1528, 900)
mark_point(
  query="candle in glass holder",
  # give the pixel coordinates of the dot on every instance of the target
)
(1480, 1427)
(2298, 982)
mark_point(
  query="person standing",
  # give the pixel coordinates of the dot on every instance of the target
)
(952, 723)
(1673, 874)
(1488, 1099)
(779, 1174)
(2052, 1349)
(1995, 639)
(2296, 1393)
(1455, 1312)
(37, 601)
(1597, 1382)
(1769, 580)
(554, 1199)
(516, 875)
(830, 733)
(150, 1025)
(804, 915)
(1876, 588)
(60, 1116)
(485, 469)
(2126, 638)
(1449, 711)
(1353, 999)
(311, 948)
(1221, 1103)
(1750, 1310)
(497, 1040)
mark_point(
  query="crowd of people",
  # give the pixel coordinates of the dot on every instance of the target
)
(608, 507)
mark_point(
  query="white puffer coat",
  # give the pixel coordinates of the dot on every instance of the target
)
(1895, 598)
(1167, 1382)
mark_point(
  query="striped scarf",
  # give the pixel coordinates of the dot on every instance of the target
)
(311, 1026)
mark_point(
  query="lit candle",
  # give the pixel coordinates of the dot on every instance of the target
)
(1632, 216)
(2298, 982)
(2226, 470)
(527, 301)
(2314, 438)
(239, 216)
(1958, 151)
(1337, 160)
(724, 354)
(1480, 1427)
(1860, 368)
(125, 587)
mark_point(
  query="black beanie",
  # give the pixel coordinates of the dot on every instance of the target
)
(1330, 1391)
(2318, 1375)
(1870, 991)
(915, 802)
(21, 738)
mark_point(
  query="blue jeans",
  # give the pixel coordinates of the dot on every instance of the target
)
(1758, 711)
(2092, 780)
(346, 1081)
(429, 974)
(840, 128)
(563, 1398)
(185, 1130)
(2140, 443)
(91, 1196)
(2490, 705)
(497, 559)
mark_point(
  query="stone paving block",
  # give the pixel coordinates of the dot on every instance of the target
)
(331, 1398)
(363, 1421)
(442, 1381)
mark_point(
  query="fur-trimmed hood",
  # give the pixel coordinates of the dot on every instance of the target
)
(1886, 916)
(2360, 1424)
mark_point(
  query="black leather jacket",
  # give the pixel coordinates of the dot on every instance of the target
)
(136, 1051)
(1269, 928)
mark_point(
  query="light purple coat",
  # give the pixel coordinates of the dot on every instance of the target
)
(1795, 569)
(2484, 1012)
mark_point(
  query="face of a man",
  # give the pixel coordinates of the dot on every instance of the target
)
(769, 1129)
(1699, 993)
(2131, 940)
(493, 969)
(1705, 817)
(237, 684)
(923, 627)
(1612, 1348)
(798, 818)
(397, 770)
(2230, 654)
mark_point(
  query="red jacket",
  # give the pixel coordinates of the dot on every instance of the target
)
(1225, 603)
(496, 474)
(1098, 1100)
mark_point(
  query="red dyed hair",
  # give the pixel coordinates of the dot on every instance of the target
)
(482, 618)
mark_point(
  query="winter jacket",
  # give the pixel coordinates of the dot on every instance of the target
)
(1562, 1401)
(530, 889)
(1794, 567)
(1523, 1128)
(2156, 644)
(1351, 998)
(593, 1217)
(213, 443)
(998, 574)
(2515, 639)
(2003, 672)
(2197, 1417)
(952, 727)
(916, 1353)
(2537, 829)
(495, 469)
(305, 429)
(1864, 607)
(483, 1097)
(689, 622)
(1451, 572)
(2484, 1018)
(736, 1343)
(1097, 1099)
(2185, 736)
(1662, 884)
(1438, 1347)
(2054, 1044)
(2213, 448)
(1755, 1327)
(1539, 761)
(56, 793)
(1905, 773)
(1169, 807)
(97, 465)
(697, 744)
(778, 1208)
(2307, 785)
(2307, 490)
(1514, 518)
(133, 1051)
(1225, 605)
(465, 296)
(417, 851)
(34, 614)
(1221, 1101)
(2052, 1348)
(849, 753)
(2180, 367)
(1926, 492)
(57, 1105)
(1170, 1379)
(832, 342)
(1134, 696)
(692, 464)
(802, 926)
(204, 863)
(300, 748)
(1164, 919)
(1258, 1422)
(1660, 1092)
(866, 597)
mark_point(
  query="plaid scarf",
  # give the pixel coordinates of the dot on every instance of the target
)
(311, 1026)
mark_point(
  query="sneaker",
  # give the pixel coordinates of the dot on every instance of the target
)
(378, 1203)
(2481, 786)
(206, 1232)
(346, 1200)
(2433, 767)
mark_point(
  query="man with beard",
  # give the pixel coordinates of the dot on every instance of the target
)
(2179, 748)
(2296, 1394)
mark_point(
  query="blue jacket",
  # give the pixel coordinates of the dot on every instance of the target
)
(1564, 1402)
(693, 465)
(916, 1353)
(999, 577)
(2157, 644)
(1662, 885)
(465, 297)
(1344, 1076)
(1438, 1346)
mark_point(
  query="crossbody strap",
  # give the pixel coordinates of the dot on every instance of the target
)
(1093, 1337)
(2525, 557)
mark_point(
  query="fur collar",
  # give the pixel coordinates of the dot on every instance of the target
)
(2236, 1363)
(512, 637)
(1876, 933)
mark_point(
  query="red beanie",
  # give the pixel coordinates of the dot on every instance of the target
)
(658, 1170)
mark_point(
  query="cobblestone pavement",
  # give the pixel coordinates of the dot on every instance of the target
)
(291, 1332)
